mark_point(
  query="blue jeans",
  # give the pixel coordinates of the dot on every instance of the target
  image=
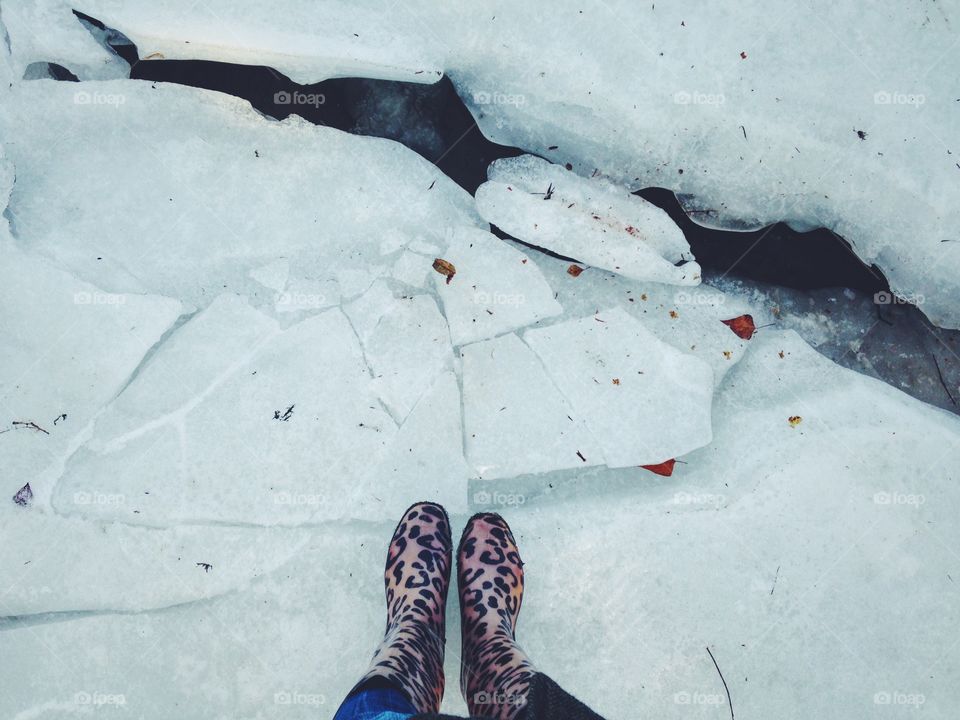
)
(376, 704)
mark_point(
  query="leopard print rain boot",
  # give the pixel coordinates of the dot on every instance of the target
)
(495, 672)
(416, 578)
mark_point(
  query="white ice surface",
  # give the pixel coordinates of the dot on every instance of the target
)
(47, 31)
(822, 541)
(590, 220)
(368, 40)
(515, 419)
(496, 288)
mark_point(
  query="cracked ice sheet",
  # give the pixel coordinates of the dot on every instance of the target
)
(66, 349)
(405, 341)
(515, 420)
(218, 190)
(236, 420)
(589, 219)
(61, 564)
(642, 400)
(356, 42)
(496, 288)
(697, 553)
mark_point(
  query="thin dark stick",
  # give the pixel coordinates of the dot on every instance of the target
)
(942, 381)
(729, 701)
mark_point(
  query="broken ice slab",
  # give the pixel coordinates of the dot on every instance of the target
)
(215, 186)
(643, 400)
(66, 349)
(234, 419)
(405, 341)
(588, 219)
(58, 564)
(516, 421)
(496, 289)
(689, 319)
(306, 41)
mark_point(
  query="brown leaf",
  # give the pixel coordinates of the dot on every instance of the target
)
(574, 270)
(794, 420)
(665, 468)
(445, 268)
(742, 326)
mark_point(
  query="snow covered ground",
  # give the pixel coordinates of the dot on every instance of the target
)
(234, 349)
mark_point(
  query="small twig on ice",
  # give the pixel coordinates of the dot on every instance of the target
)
(729, 701)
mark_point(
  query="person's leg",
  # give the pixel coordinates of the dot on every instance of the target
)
(496, 673)
(408, 664)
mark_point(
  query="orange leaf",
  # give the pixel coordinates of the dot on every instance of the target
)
(445, 268)
(742, 326)
(665, 468)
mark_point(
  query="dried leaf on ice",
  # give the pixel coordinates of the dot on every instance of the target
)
(742, 326)
(794, 420)
(574, 270)
(445, 268)
(665, 468)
